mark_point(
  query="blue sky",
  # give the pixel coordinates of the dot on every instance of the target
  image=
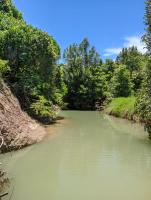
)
(108, 24)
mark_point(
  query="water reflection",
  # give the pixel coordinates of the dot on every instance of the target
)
(93, 156)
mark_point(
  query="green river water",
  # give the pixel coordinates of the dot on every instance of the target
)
(87, 156)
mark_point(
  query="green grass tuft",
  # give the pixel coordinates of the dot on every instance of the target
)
(123, 107)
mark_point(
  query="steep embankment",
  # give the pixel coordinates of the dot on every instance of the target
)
(16, 127)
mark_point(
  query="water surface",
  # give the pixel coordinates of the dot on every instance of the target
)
(89, 156)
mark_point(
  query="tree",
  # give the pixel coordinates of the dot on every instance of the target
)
(83, 76)
(61, 87)
(82, 55)
(120, 82)
(108, 68)
(147, 36)
(143, 105)
(130, 57)
(32, 56)
(6, 6)
(135, 62)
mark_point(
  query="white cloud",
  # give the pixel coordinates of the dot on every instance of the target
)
(135, 41)
(128, 42)
(112, 51)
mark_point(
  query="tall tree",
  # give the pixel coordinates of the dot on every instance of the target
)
(147, 36)
(83, 76)
(82, 55)
(135, 62)
(144, 99)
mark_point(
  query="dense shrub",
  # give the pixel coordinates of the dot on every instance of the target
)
(44, 110)
(3, 67)
(143, 105)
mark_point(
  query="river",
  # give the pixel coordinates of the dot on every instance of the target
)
(87, 156)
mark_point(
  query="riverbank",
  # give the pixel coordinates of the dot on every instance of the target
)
(125, 107)
(122, 107)
(16, 128)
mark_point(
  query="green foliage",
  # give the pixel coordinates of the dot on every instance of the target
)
(135, 62)
(130, 57)
(32, 56)
(81, 55)
(44, 110)
(120, 82)
(6, 6)
(84, 77)
(61, 87)
(84, 88)
(143, 104)
(143, 107)
(3, 67)
(108, 68)
(147, 36)
(83, 82)
(123, 107)
(110, 79)
(24, 45)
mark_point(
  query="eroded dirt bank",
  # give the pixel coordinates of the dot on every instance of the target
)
(16, 127)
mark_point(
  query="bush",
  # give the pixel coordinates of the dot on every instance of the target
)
(3, 67)
(44, 110)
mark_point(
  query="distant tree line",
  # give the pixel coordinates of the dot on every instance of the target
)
(91, 82)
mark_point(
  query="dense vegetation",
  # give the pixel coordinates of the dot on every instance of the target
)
(32, 56)
(91, 82)
(143, 105)
(82, 82)
(83, 78)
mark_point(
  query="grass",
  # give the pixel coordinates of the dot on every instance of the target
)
(123, 107)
